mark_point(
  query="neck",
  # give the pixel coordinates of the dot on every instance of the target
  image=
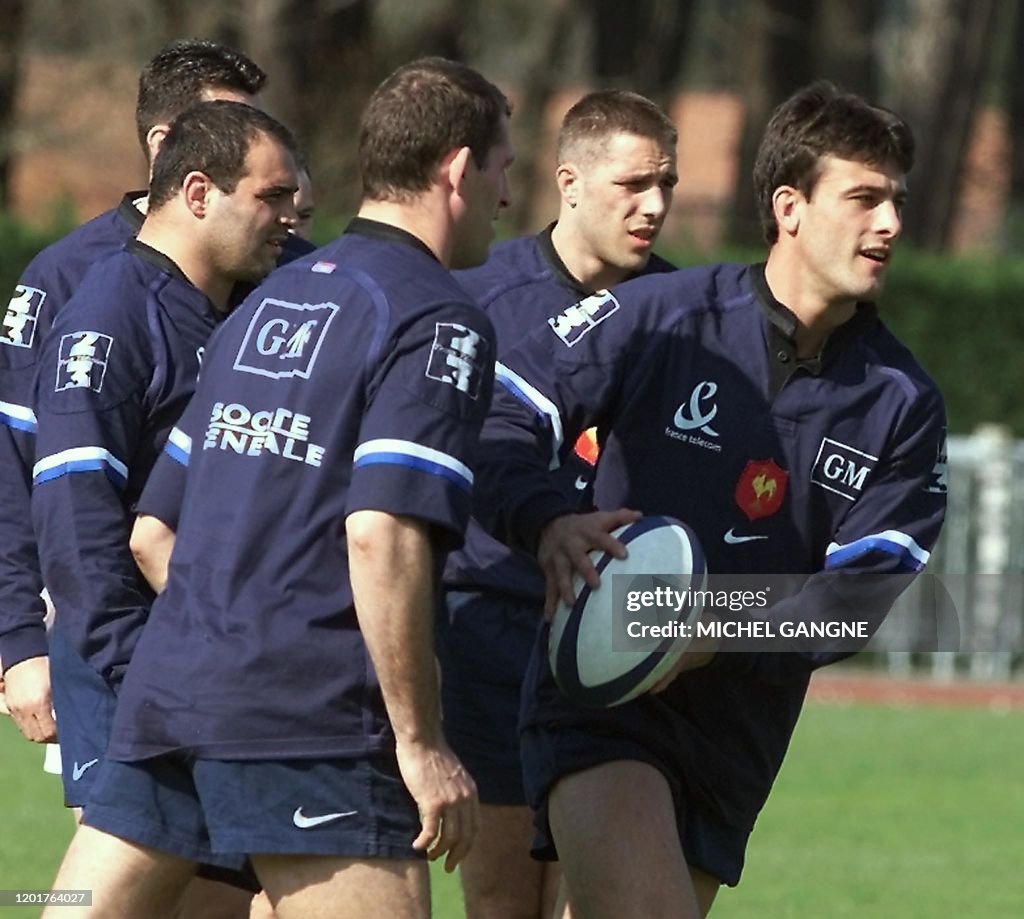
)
(421, 216)
(181, 245)
(583, 265)
(817, 315)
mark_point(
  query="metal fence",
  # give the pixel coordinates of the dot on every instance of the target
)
(977, 567)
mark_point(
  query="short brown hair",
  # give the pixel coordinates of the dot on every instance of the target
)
(821, 120)
(420, 113)
(599, 115)
(175, 79)
(213, 138)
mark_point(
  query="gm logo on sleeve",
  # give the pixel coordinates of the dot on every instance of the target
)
(82, 361)
(841, 469)
(18, 327)
(284, 339)
(572, 324)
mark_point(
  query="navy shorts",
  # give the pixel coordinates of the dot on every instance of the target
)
(209, 810)
(84, 706)
(708, 844)
(483, 645)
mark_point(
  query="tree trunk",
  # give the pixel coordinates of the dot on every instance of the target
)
(1015, 120)
(12, 15)
(942, 148)
(321, 62)
(776, 59)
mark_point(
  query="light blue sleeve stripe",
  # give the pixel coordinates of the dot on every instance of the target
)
(178, 446)
(891, 542)
(19, 417)
(415, 456)
(80, 459)
(528, 394)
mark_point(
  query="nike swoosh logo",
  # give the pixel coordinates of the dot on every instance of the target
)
(733, 540)
(78, 771)
(304, 823)
(581, 483)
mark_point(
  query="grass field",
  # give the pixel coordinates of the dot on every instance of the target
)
(905, 813)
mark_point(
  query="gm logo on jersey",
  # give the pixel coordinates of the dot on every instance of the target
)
(82, 361)
(841, 469)
(580, 318)
(458, 357)
(284, 339)
(18, 327)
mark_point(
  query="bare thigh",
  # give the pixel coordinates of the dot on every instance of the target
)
(322, 886)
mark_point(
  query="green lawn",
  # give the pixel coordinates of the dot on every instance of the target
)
(900, 813)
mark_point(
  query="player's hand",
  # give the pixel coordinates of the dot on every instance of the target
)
(698, 653)
(27, 686)
(564, 546)
(446, 797)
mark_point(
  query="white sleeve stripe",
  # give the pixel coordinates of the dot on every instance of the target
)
(78, 455)
(18, 416)
(884, 540)
(386, 445)
(529, 394)
(181, 440)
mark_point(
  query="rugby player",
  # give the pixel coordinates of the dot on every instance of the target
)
(179, 76)
(728, 397)
(616, 170)
(282, 700)
(118, 367)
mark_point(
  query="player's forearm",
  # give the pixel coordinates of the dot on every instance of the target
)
(391, 568)
(83, 536)
(22, 632)
(152, 542)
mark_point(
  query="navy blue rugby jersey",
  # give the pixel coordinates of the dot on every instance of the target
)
(825, 469)
(354, 379)
(521, 284)
(115, 373)
(45, 286)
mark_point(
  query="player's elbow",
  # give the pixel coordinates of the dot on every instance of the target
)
(151, 543)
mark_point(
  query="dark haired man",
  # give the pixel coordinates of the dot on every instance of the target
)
(786, 373)
(615, 170)
(116, 371)
(179, 76)
(289, 659)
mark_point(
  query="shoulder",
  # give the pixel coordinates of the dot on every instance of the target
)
(885, 354)
(510, 266)
(689, 293)
(108, 293)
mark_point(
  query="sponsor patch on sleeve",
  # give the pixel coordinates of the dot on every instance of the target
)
(458, 357)
(938, 483)
(842, 469)
(572, 324)
(82, 361)
(18, 326)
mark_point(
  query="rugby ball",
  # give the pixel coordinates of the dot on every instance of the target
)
(593, 649)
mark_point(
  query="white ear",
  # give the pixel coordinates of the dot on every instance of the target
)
(196, 189)
(568, 179)
(456, 165)
(154, 138)
(787, 205)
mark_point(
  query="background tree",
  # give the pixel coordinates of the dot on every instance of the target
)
(787, 44)
(13, 16)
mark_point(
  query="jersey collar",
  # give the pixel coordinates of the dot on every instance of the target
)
(551, 258)
(386, 232)
(129, 213)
